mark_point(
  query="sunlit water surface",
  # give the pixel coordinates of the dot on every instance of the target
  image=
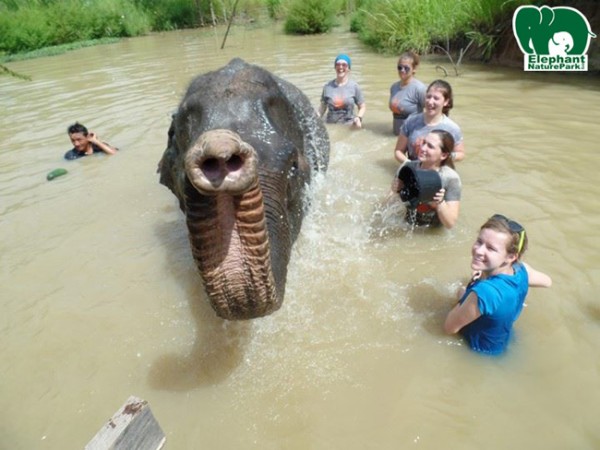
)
(101, 300)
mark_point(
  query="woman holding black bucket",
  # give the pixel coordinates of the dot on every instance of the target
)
(438, 103)
(430, 186)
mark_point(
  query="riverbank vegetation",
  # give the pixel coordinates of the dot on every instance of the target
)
(388, 26)
(394, 26)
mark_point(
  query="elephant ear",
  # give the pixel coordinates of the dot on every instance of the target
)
(547, 15)
(167, 166)
(524, 17)
(315, 136)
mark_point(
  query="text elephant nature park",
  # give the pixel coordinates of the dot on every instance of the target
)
(242, 149)
(551, 31)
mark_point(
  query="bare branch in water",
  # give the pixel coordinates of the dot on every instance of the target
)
(6, 71)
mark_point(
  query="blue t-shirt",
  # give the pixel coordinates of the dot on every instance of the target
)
(500, 300)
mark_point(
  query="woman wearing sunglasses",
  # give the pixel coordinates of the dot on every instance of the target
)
(493, 299)
(341, 95)
(438, 103)
(407, 96)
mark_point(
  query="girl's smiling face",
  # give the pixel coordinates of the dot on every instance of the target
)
(430, 151)
(489, 253)
(435, 101)
(341, 68)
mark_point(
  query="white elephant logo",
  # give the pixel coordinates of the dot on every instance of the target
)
(560, 44)
(552, 39)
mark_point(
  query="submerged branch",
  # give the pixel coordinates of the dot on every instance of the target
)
(456, 64)
(6, 71)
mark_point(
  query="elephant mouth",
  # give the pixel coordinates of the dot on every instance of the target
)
(220, 162)
(215, 168)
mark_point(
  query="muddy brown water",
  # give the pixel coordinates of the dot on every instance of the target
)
(100, 297)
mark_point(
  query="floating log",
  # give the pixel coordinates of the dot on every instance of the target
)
(132, 427)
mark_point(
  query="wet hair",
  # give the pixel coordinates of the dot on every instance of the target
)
(412, 56)
(77, 128)
(446, 89)
(502, 226)
(447, 146)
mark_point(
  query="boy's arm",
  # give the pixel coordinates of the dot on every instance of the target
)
(106, 148)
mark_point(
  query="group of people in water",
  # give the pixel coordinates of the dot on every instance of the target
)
(420, 120)
(428, 139)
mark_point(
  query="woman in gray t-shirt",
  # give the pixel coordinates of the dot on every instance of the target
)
(438, 103)
(407, 95)
(341, 95)
(444, 208)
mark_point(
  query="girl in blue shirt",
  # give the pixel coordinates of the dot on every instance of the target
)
(493, 300)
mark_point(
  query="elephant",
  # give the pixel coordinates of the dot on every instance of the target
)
(242, 149)
(541, 30)
(560, 44)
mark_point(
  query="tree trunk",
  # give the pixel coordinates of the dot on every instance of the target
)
(199, 11)
(224, 11)
(212, 14)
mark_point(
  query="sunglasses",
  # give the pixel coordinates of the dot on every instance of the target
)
(514, 227)
(403, 68)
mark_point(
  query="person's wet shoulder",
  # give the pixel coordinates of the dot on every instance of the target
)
(73, 154)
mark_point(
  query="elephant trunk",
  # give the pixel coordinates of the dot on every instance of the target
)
(227, 226)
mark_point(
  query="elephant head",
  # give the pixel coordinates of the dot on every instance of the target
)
(560, 44)
(242, 148)
(544, 30)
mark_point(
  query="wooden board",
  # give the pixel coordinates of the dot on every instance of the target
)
(132, 427)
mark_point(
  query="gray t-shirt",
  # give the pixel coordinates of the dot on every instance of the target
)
(414, 128)
(422, 214)
(406, 100)
(340, 101)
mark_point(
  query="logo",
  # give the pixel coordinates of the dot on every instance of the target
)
(552, 39)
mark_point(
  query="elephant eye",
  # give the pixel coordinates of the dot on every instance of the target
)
(293, 170)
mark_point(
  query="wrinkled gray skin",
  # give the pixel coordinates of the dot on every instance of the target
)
(242, 148)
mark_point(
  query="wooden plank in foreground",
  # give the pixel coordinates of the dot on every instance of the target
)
(132, 427)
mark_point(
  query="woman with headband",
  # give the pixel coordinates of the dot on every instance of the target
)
(341, 94)
(492, 301)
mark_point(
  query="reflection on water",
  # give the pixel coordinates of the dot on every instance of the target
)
(101, 299)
